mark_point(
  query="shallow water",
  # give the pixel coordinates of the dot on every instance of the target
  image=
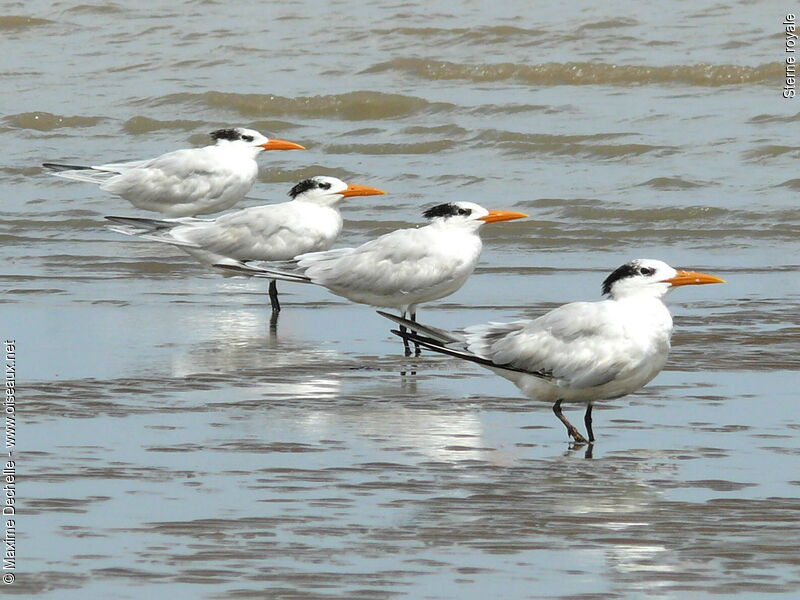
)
(172, 442)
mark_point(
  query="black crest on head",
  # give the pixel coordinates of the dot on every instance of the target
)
(303, 186)
(445, 210)
(627, 270)
(231, 134)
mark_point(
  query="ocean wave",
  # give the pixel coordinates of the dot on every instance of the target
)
(570, 145)
(378, 149)
(610, 24)
(792, 184)
(485, 35)
(588, 210)
(765, 118)
(292, 176)
(138, 124)
(669, 183)
(351, 106)
(770, 151)
(585, 73)
(16, 22)
(704, 223)
(437, 130)
(665, 214)
(44, 121)
(95, 9)
(512, 109)
(499, 135)
(503, 34)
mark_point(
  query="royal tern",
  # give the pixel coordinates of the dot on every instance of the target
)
(404, 268)
(273, 232)
(183, 183)
(578, 352)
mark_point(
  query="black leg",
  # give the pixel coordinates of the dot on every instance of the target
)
(587, 419)
(273, 296)
(417, 349)
(406, 347)
(571, 430)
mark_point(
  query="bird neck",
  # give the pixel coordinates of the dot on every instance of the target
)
(645, 316)
(238, 150)
(324, 202)
(635, 306)
(625, 290)
(457, 226)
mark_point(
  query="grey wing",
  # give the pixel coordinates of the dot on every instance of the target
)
(176, 177)
(244, 235)
(573, 344)
(395, 264)
(118, 168)
(310, 259)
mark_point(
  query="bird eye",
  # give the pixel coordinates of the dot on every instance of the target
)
(647, 270)
(248, 138)
(464, 211)
(325, 186)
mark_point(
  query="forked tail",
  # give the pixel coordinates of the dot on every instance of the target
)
(264, 273)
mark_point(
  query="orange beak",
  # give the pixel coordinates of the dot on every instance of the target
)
(502, 215)
(692, 278)
(281, 145)
(360, 190)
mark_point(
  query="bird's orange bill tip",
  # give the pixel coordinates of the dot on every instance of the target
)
(361, 190)
(281, 145)
(502, 215)
(692, 278)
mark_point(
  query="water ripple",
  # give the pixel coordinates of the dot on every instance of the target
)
(584, 73)
(352, 106)
(45, 121)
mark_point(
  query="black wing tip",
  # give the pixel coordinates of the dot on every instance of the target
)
(407, 335)
(63, 167)
(437, 346)
(413, 336)
(263, 273)
(235, 268)
(243, 269)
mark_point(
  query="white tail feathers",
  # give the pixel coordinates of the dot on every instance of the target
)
(80, 173)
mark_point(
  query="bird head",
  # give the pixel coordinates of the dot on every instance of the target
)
(653, 278)
(251, 139)
(329, 190)
(468, 214)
